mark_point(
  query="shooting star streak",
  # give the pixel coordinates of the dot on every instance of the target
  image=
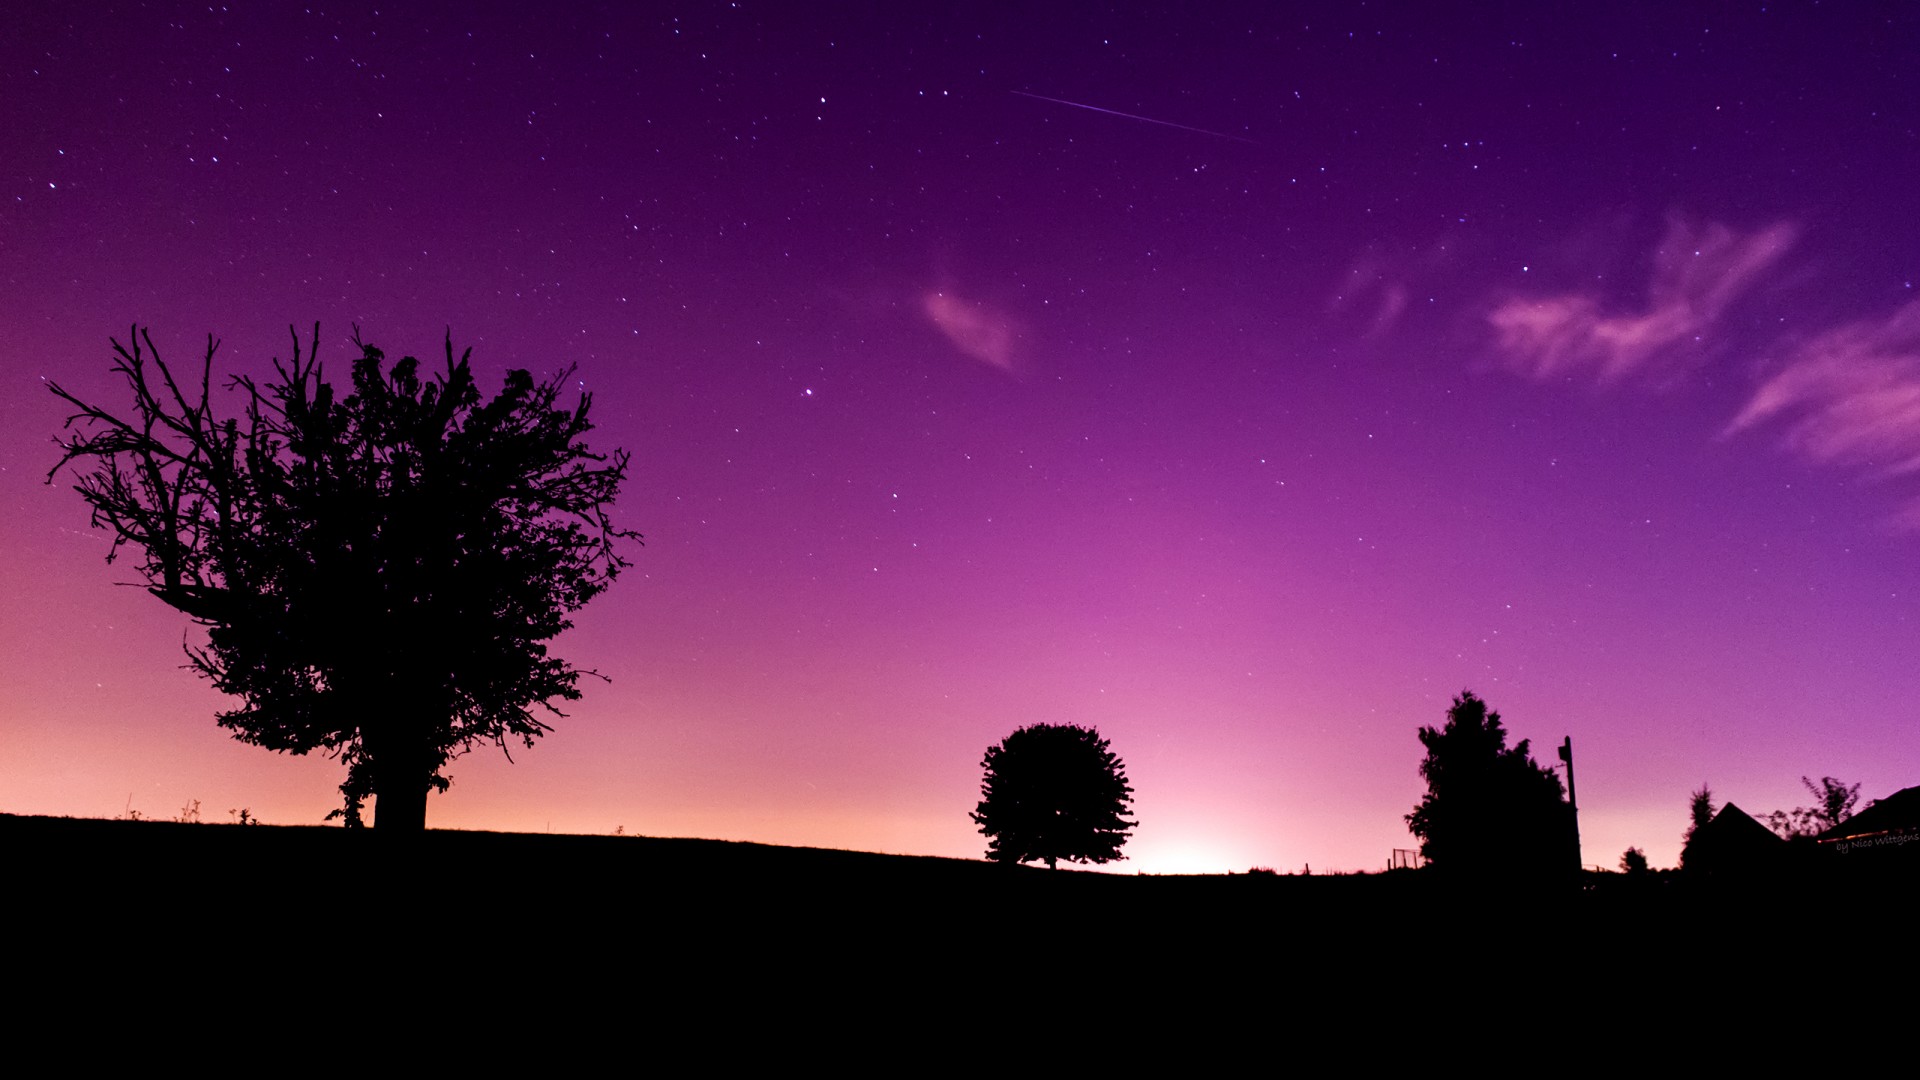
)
(1131, 116)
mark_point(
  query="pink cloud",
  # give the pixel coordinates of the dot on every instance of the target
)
(974, 329)
(1851, 397)
(1697, 273)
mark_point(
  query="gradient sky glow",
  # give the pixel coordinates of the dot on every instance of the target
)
(1243, 383)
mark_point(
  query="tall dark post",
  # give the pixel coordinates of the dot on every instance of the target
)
(1573, 804)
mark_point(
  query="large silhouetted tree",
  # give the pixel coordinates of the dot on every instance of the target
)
(379, 573)
(1489, 807)
(1052, 792)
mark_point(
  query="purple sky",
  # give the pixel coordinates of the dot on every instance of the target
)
(1243, 384)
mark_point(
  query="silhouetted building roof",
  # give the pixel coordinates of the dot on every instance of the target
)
(1733, 841)
(1887, 820)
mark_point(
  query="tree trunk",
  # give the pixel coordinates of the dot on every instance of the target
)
(400, 777)
(401, 807)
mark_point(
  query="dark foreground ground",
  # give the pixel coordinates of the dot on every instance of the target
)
(710, 934)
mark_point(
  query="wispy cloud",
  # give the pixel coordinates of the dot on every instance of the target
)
(975, 329)
(1848, 397)
(1698, 272)
(1851, 397)
(1374, 291)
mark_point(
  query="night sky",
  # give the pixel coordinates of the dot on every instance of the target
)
(1243, 383)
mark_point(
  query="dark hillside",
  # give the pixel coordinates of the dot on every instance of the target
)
(266, 906)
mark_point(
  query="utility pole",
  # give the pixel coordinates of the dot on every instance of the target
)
(1573, 804)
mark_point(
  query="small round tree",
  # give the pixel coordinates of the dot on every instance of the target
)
(1052, 792)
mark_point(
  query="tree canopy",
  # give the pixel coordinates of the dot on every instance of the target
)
(378, 573)
(1052, 792)
(1489, 807)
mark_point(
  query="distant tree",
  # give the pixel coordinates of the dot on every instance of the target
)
(1052, 792)
(1488, 807)
(378, 573)
(1834, 800)
(1798, 823)
(1700, 810)
(1834, 804)
(1633, 861)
